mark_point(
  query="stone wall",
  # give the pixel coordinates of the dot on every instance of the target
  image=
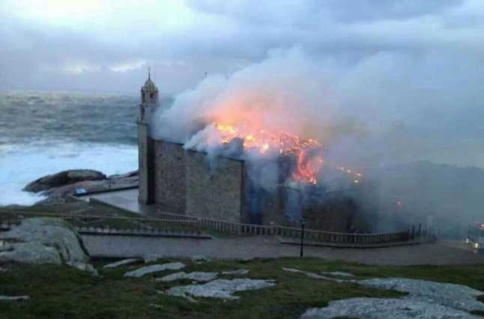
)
(339, 212)
(279, 208)
(215, 187)
(334, 212)
(261, 196)
(188, 182)
(170, 184)
(143, 159)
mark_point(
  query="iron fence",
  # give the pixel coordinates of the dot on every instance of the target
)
(167, 224)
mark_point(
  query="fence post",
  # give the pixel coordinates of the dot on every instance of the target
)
(303, 224)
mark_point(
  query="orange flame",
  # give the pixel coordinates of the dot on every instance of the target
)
(308, 165)
(308, 162)
(307, 168)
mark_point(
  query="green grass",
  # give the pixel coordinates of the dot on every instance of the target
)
(63, 292)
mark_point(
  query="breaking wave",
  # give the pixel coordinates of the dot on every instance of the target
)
(22, 163)
(44, 133)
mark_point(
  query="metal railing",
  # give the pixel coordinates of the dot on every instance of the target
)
(292, 232)
(167, 223)
(112, 225)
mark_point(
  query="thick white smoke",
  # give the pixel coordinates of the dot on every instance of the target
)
(384, 109)
(294, 92)
(286, 92)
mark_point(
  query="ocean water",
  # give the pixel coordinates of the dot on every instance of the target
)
(44, 133)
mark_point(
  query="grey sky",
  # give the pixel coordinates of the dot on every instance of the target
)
(411, 69)
(107, 45)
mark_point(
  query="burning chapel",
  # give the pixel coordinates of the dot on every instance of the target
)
(230, 188)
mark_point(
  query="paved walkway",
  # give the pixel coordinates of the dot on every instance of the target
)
(257, 246)
(127, 200)
(269, 247)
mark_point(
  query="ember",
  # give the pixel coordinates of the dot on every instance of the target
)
(308, 161)
(263, 140)
(307, 152)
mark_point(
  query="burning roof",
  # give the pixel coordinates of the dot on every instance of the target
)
(307, 153)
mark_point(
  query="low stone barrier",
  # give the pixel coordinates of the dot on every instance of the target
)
(174, 225)
(292, 232)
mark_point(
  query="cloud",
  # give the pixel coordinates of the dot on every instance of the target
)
(301, 12)
(181, 41)
(128, 66)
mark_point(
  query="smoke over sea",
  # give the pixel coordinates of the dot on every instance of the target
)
(44, 133)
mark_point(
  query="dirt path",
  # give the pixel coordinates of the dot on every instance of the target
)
(252, 247)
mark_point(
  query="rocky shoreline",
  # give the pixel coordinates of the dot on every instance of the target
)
(60, 186)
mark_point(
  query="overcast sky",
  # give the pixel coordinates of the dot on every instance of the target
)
(406, 66)
(96, 45)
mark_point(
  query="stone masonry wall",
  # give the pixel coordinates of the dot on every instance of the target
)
(170, 185)
(143, 162)
(189, 183)
(214, 188)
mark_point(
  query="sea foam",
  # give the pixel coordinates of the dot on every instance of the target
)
(20, 164)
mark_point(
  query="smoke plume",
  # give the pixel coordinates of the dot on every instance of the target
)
(384, 110)
(289, 92)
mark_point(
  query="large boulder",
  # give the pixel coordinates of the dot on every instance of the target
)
(64, 178)
(44, 241)
(58, 187)
(124, 176)
(60, 194)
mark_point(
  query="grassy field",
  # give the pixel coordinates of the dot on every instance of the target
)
(63, 292)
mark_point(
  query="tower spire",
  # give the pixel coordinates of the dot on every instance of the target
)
(149, 73)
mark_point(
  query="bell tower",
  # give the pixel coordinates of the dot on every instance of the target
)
(149, 99)
(146, 170)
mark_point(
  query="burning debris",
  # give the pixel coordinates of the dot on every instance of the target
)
(307, 152)
(265, 141)
(304, 157)
(259, 117)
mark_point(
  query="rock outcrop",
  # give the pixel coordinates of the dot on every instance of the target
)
(220, 288)
(123, 262)
(14, 298)
(424, 299)
(446, 294)
(140, 272)
(383, 308)
(64, 178)
(236, 272)
(58, 187)
(44, 241)
(195, 276)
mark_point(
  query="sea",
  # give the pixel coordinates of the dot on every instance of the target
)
(44, 133)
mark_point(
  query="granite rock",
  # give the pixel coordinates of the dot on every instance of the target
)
(122, 263)
(44, 240)
(195, 276)
(384, 308)
(63, 178)
(154, 268)
(220, 288)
